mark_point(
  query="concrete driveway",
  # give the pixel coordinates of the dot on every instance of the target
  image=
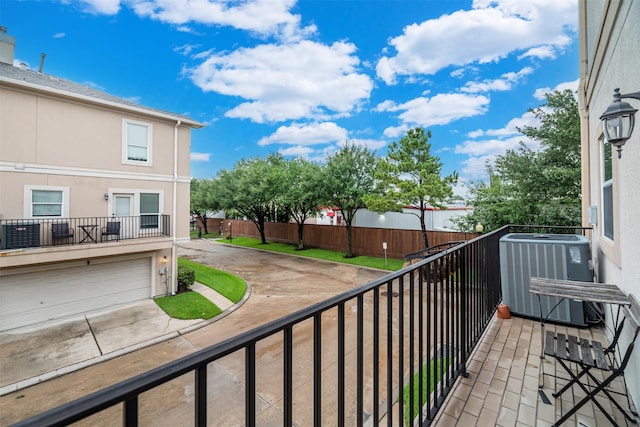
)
(280, 285)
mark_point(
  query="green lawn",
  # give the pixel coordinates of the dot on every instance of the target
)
(189, 305)
(210, 235)
(364, 261)
(232, 287)
(427, 388)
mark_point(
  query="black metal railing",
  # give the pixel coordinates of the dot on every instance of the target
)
(30, 233)
(352, 359)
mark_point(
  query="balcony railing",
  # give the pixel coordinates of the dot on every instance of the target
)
(31, 233)
(366, 345)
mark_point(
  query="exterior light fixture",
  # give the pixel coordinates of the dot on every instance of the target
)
(106, 196)
(618, 120)
(479, 228)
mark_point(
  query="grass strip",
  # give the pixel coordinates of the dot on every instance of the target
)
(232, 287)
(363, 261)
(187, 306)
(443, 365)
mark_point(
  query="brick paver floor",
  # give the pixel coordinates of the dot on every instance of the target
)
(502, 389)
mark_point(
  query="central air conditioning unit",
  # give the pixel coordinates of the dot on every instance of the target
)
(552, 256)
(20, 235)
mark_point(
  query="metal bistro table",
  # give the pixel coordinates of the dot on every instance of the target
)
(88, 232)
(575, 290)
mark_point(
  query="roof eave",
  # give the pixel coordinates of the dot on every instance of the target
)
(102, 102)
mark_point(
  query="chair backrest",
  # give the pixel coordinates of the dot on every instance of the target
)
(629, 313)
(60, 229)
(113, 227)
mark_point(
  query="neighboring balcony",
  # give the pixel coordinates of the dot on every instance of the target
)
(28, 242)
(49, 232)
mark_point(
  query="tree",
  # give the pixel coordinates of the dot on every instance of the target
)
(252, 188)
(347, 179)
(203, 200)
(535, 187)
(410, 176)
(303, 194)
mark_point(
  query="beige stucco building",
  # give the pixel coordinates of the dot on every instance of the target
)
(94, 197)
(609, 59)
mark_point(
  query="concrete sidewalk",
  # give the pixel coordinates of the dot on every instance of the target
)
(38, 353)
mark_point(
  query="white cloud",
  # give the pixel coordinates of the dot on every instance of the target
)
(186, 49)
(441, 109)
(264, 17)
(291, 81)
(491, 30)
(540, 52)
(102, 7)
(541, 92)
(511, 128)
(476, 167)
(371, 144)
(59, 35)
(484, 145)
(297, 151)
(504, 82)
(489, 146)
(304, 135)
(184, 29)
(200, 157)
(396, 131)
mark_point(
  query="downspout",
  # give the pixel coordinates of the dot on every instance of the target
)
(174, 222)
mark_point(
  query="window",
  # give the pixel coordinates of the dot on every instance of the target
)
(607, 191)
(136, 142)
(46, 202)
(149, 210)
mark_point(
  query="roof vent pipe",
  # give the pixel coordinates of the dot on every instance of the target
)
(42, 56)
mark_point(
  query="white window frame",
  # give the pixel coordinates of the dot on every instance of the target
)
(158, 214)
(125, 143)
(607, 214)
(136, 192)
(28, 197)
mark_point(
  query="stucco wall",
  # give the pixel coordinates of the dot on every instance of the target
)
(59, 142)
(610, 54)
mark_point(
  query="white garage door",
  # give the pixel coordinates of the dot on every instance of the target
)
(36, 297)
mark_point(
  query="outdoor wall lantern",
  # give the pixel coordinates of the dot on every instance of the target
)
(618, 120)
(106, 196)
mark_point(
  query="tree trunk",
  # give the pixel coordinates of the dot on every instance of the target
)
(263, 238)
(300, 231)
(260, 226)
(203, 221)
(423, 227)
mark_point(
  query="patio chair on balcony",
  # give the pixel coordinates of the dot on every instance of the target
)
(590, 356)
(112, 229)
(61, 231)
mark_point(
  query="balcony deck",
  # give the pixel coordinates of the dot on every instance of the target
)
(502, 389)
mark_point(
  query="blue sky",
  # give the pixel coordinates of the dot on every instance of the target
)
(302, 77)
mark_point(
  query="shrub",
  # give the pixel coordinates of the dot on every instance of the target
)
(186, 277)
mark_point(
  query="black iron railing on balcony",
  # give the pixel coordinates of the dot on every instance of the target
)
(363, 354)
(30, 233)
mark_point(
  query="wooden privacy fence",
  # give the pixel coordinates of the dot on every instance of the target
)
(365, 241)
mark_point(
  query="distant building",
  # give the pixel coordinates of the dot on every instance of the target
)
(435, 218)
(94, 196)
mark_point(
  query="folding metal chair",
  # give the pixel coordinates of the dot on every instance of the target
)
(588, 355)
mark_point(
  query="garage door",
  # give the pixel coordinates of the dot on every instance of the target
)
(30, 298)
